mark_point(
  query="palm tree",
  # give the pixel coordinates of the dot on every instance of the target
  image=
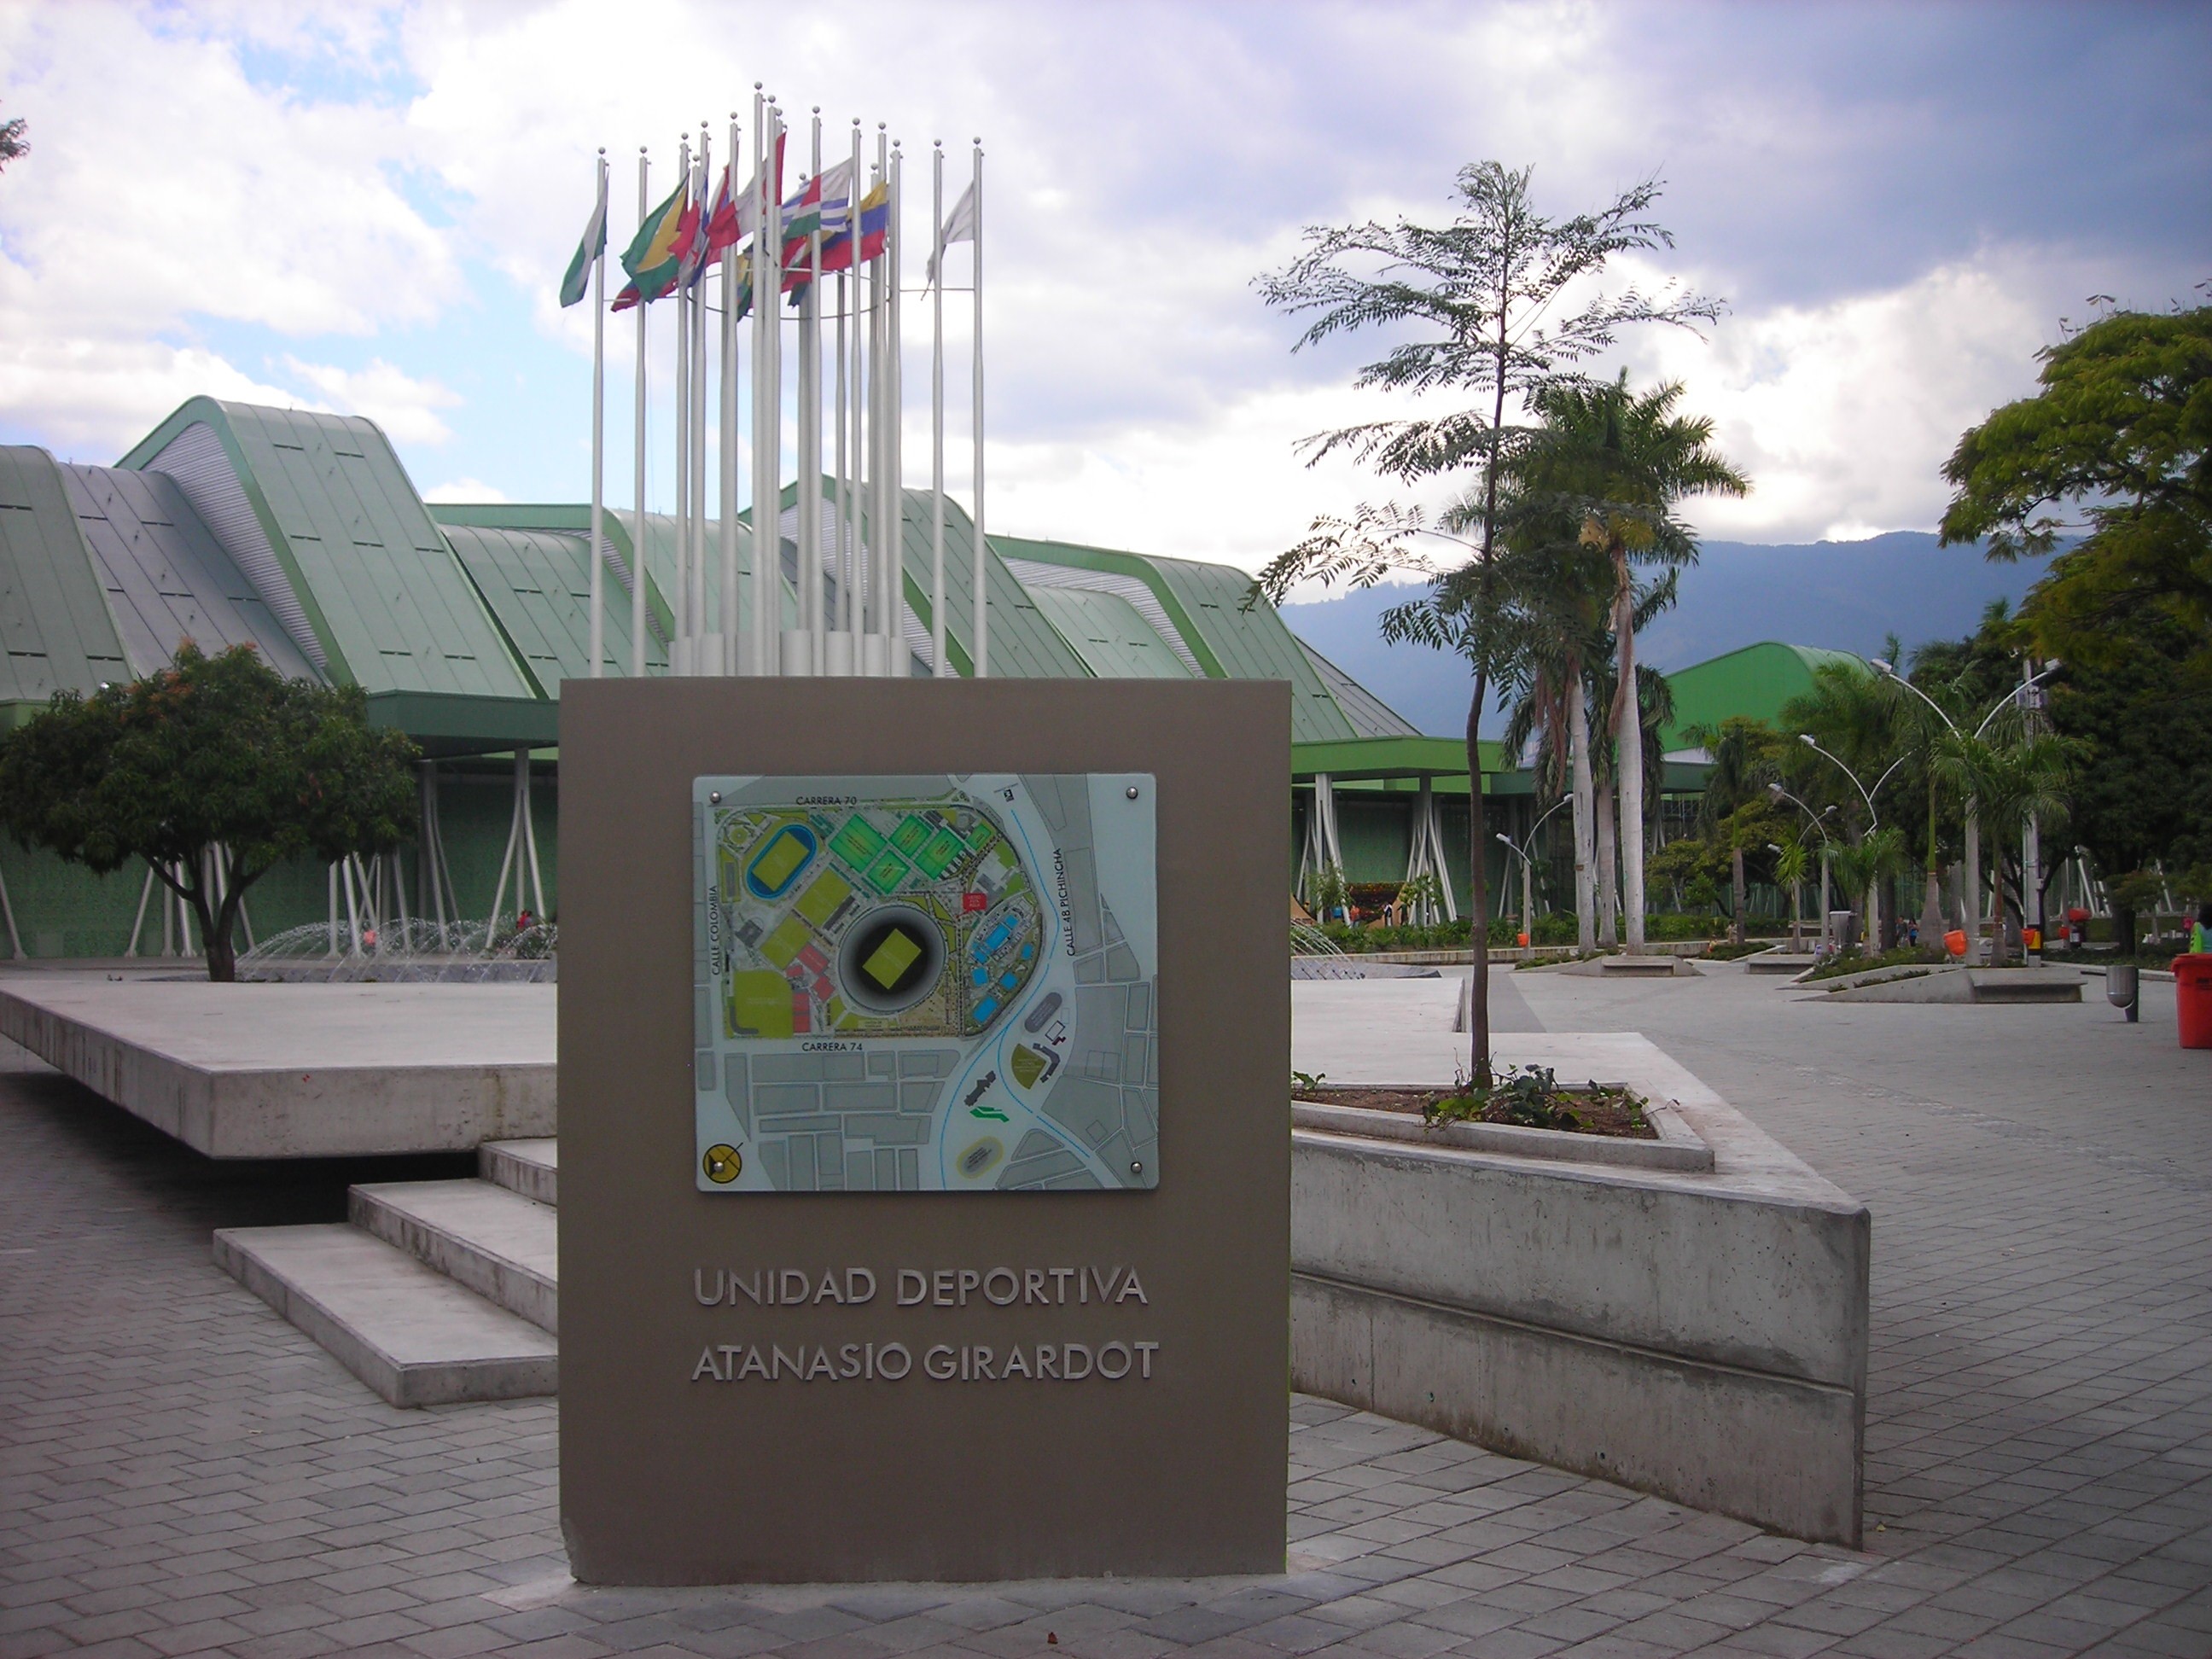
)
(1618, 462)
(2012, 776)
(1551, 629)
(1656, 705)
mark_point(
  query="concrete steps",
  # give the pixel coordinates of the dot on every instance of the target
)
(413, 1336)
(438, 1291)
(496, 1243)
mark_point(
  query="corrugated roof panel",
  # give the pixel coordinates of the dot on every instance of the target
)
(1025, 645)
(54, 620)
(381, 587)
(1108, 633)
(168, 579)
(1370, 715)
(538, 583)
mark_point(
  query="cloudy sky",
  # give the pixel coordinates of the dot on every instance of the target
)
(368, 211)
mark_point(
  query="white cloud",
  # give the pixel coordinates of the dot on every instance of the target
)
(1145, 161)
(402, 405)
(474, 491)
(166, 191)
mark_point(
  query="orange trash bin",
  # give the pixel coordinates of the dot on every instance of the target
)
(2192, 999)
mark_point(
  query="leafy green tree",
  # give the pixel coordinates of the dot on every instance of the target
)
(1619, 462)
(1480, 302)
(212, 770)
(2142, 793)
(2119, 434)
(13, 145)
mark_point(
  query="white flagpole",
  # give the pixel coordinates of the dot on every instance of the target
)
(680, 647)
(764, 315)
(810, 428)
(879, 403)
(856, 600)
(838, 657)
(637, 524)
(899, 659)
(983, 625)
(938, 666)
(728, 619)
(598, 632)
(767, 431)
(696, 509)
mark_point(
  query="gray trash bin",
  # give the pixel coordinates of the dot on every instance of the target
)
(2122, 988)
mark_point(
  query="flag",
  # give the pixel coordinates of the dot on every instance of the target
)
(578, 278)
(875, 221)
(691, 243)
(959, 227)
(650, 258)
(732, 218)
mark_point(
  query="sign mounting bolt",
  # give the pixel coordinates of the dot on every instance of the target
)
(1133, 791)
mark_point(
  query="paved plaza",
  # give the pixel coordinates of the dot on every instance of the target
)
(180, 1470)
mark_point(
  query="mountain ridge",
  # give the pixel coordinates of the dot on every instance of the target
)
(1842, 596)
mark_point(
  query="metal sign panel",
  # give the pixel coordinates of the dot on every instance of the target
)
(940, 984)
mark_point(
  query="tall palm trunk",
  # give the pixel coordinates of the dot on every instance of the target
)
(1578, 756)
(1608, 899)
(1628, 741)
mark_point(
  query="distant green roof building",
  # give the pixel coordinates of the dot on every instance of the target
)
(1755, 683)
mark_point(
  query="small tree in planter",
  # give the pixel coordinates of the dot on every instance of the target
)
(213, 770)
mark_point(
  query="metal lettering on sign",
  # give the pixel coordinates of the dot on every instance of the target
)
(937, 983)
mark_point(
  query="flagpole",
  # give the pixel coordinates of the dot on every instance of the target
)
(599, 635)
(938, 666)
(982, 624)
(809, 425)
(856, 603)
(702, 659)
(768, 420)
(637, 524)
(728, 617)
(879, 392)
(680, 647)
(763, 309)
(899, 663)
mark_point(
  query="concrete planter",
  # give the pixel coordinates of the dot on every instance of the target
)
(1700, 1336)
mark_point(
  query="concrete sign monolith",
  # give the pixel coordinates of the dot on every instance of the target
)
(925, 1179)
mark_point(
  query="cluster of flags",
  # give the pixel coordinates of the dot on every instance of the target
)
(838, 222)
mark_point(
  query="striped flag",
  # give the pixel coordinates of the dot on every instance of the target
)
(577, 280)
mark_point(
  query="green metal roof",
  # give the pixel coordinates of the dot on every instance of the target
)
(1024, 644)
(1755, 682)
(54, 619)
(1348, 760)
(1115, 642)
(385, 596)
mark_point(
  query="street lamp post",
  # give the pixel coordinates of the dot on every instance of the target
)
(1873, 817)
(1527, 919)
(1972, 904)
(1780, 793)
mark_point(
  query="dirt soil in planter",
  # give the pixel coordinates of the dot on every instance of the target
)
(1608, 1112)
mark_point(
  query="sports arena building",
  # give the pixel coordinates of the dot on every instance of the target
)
(301, 535)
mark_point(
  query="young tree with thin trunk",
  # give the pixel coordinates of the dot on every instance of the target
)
(211, 770)
(1473, 300)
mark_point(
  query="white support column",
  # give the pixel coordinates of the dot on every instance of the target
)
(8, 911)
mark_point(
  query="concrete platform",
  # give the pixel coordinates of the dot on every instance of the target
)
(414, 1336)
(1953, 984)
(300, 1071)
(1780, 962)
(531, 1168)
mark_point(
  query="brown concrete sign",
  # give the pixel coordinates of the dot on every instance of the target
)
(864, 1275)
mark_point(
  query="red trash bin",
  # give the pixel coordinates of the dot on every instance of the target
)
(2192, 999)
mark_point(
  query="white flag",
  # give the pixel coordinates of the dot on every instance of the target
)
(959, 227)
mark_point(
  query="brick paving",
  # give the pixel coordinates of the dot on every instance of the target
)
(182, 1471)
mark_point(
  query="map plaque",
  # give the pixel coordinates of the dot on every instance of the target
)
(925, 1158)
(927, 984)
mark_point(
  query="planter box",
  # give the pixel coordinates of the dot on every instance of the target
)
(1700, 1336)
